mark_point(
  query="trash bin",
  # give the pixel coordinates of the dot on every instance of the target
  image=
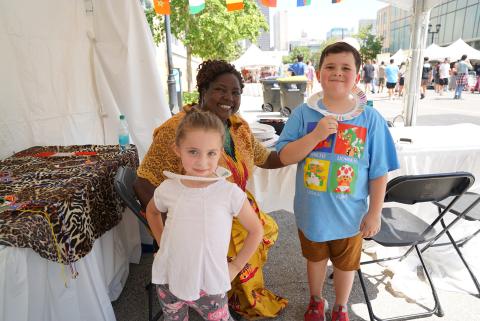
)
(271, 94)
(292, 93)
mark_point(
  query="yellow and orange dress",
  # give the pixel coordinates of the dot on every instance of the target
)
(248, 295)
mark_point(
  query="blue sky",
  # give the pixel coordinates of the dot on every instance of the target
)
(322, 15)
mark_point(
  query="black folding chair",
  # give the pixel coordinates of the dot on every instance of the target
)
(466, 208)
(123, 183)
(402, 228)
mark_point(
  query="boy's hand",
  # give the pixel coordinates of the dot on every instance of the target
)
(325, 127)
(233, 270)
(370, 225)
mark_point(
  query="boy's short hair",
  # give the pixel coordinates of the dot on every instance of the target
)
(339, 47)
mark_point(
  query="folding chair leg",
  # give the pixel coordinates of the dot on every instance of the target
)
(437, 309)
(474, 279)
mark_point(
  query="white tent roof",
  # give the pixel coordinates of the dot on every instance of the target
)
(254, 57)
(459, 48)
(399, 57)
(435, 52)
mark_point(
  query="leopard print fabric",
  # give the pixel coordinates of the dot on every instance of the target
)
(61, 204)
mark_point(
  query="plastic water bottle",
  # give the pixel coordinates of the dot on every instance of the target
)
(123, 135)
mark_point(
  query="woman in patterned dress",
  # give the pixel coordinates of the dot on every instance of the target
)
(220, 87)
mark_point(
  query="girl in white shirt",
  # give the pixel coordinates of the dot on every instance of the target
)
(191, 267)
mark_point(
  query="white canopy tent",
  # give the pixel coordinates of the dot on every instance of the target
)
(459, 48)
(399, 57)
(254, 57)
(70, 68)
(435, 52)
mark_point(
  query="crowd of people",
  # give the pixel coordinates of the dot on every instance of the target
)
(444, 76)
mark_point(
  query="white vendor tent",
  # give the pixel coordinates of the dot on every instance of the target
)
(435, 52)
(69, 68)
(399, 57)
(254, 57)
(459, 48)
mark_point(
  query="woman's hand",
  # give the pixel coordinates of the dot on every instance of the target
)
(325, 127)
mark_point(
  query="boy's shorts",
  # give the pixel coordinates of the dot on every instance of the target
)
(391, 85)
(344, 253)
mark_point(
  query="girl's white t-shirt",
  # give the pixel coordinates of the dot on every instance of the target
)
(194, 244)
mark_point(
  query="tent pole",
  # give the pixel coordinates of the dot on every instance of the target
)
(420, 20)
(172, 92)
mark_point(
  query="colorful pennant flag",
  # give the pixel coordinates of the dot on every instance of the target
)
(301, 3)
(161, 6)
(233, 5)
(269, 3)
(336, 1)
(196, 6)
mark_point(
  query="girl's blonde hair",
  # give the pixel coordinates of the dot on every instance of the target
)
(197, 119)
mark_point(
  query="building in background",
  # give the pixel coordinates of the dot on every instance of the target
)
(339, 33)
(280, 30)
(457, 19)
(364, 23)
(263, 40)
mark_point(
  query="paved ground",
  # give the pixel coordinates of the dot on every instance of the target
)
(285, 271)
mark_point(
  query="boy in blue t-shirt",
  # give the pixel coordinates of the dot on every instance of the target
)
(344, 152)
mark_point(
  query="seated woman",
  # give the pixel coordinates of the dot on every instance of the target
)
(220, 87)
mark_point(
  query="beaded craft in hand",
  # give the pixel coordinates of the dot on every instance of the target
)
(357, 95)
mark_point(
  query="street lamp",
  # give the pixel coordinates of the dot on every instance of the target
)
(437, 29)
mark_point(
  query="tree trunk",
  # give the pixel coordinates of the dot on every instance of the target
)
(189, 68)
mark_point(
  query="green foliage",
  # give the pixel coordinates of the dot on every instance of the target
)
(370, 45)
(292, 56)
(213, 33)
(190, 98)
(156, 25)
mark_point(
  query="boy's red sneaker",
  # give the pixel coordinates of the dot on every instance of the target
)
(316, 309)
(340, 315)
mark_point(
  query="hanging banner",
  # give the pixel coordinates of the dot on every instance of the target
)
(161, 6)
(269, 3)
(301, 3)
(196, 6)
(233, 5)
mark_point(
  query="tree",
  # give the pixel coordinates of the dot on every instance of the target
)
(370, 45)
(292, 56)
(214, 33)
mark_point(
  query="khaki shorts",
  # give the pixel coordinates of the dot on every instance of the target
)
(344, 253)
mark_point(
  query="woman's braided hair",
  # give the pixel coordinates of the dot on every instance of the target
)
(209, 70)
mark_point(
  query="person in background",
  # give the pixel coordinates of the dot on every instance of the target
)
(220, 87)
(444, 72)
(426, 77)
(381, 77)
(401, 81)
(298, 68)
(310, 73)
(391, 73)
(453, 74)
(200, 207)
(436, 77)
(375, 75)
(368, 76)
(344, 152)
(477, 84)
(462, 68)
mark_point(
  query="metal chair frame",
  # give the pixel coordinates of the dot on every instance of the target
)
(123, 183)
(457, 244)
(412, 189)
